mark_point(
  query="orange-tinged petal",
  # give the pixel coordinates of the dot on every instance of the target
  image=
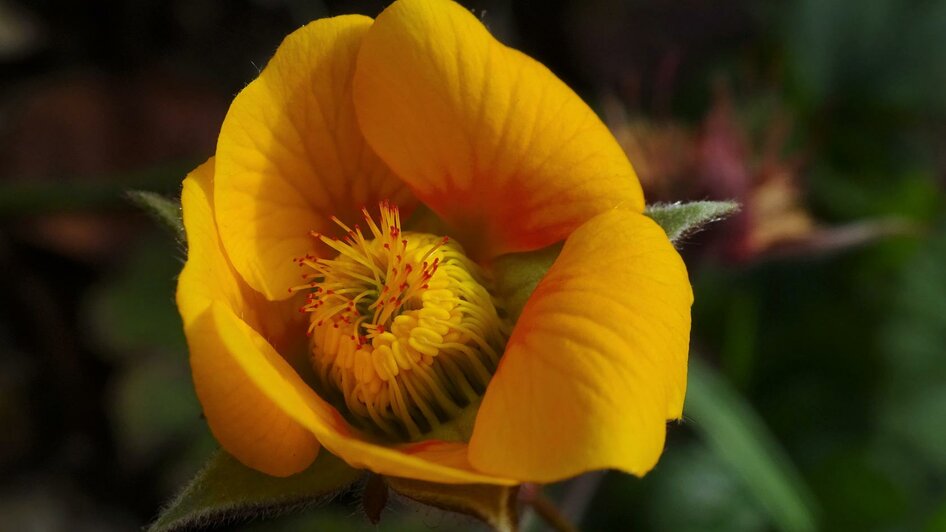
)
(290, 155)
(251, 420)
(257, 406)
(208, 275)
(248, 392)
(433, 461)
(244, 385)
(249, 426)
(487, 137)
(597, 361)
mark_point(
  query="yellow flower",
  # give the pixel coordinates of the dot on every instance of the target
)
(422, 107)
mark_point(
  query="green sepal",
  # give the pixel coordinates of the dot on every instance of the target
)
(460, 428)
(682, 219)
(516, 275)
(225, 490)
(494, 505)
(163, 209)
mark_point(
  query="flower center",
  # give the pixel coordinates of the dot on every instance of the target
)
(401, 326)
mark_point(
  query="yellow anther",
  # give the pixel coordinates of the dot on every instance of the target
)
(401, 326)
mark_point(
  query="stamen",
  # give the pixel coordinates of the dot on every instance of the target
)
(401, 325)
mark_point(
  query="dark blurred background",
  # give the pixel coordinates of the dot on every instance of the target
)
(819, 392)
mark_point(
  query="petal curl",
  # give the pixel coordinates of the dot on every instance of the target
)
(249, 426)
(250, 417)
(290, 155)
(207, 275)
(597, 361)
(246, 376)
(486, 136)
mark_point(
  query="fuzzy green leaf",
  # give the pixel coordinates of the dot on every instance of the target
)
(682, 219)
(225, 490)
(162, 209)
(740, 439)
(495, 505)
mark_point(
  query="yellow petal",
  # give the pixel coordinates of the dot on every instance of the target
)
(258, 408)
(229, 376)
(433, 461)
(248, 391)
(487, 137)
(597, 361)
(290, 155)
(256, 433)
(208, 275)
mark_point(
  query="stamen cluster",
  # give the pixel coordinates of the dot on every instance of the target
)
(401, 326)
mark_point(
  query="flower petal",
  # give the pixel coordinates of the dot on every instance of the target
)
(433, 461)
(245, 377)
(248, 413)
(487, 137)
(248, 425)
(290, 156)
(597, 361)
(257, 406)
(208, 275)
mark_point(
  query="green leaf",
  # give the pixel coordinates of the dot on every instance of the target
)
(736, 434)
(683, 219)
(225, 490)
(162, 209)
(495, 505)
